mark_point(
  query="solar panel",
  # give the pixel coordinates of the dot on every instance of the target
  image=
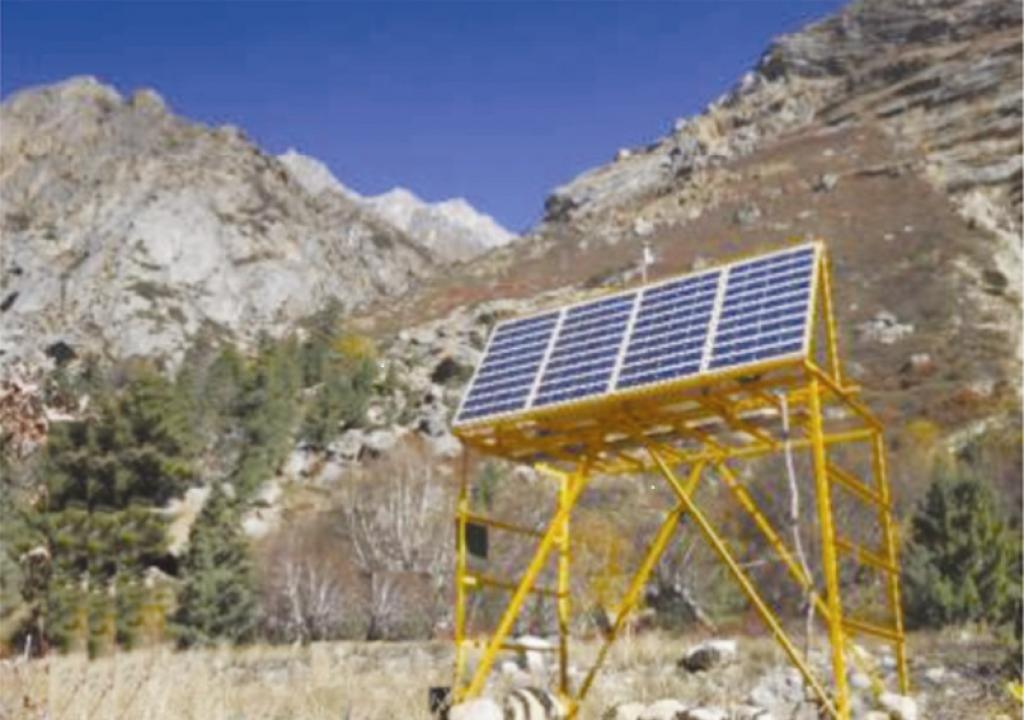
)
(669, 335)
(764, 312)
(583, 357)
(503, 382)
(704, 322)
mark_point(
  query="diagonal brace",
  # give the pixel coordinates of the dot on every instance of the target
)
(639, 580)
(718, 545)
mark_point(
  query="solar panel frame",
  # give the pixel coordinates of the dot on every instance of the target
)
(703, 336)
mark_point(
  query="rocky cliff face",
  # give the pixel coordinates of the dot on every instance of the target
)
(892, 131)
(941, 76)
(128, 231)
(452, 229)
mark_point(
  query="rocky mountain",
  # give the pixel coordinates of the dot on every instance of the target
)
(128, 231)
(892, 130)
(453, 229)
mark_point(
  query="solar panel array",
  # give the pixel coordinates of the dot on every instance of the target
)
(714, 320)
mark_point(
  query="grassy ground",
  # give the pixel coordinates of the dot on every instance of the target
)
(388, 681)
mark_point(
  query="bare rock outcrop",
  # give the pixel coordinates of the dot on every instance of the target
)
(128, 231)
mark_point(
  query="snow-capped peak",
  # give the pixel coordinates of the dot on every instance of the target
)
(453, 229)
(312, 174)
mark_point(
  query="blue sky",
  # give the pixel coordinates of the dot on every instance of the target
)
(496, 102)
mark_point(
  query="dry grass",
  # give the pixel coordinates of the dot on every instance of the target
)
(350, 681)
(389, 681)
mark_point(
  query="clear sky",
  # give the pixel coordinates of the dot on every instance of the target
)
(495, 102)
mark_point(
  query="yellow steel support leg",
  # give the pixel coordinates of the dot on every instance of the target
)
(769, 618)
(831, 340)
(460, 573)
(515, 604)
(636, 584)
(891, 546)
(830, 567)
(564, 602)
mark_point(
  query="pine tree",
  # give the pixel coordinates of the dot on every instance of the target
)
(107, 475)
(268, 411)
(960, 565)
(217, 601)
(136, 449)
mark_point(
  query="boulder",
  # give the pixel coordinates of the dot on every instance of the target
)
(705, 713)
(899, 707)
(515, 675)
(434, 420)
(534, 652)
(779, 691)
(884, 328)
(446, 446)
(531, 703)
(347, 446)
(708, 655)
(478, 709)
(859, 681)
(747, 215)
(664, 710)
(826, 182)
(380, 441)
(642, 227)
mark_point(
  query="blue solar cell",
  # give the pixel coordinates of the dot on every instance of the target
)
(764, 309)
(583, 357)
(720, 319)
(670, 331)
(503, 382)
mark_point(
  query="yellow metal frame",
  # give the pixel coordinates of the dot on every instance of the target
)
(704, 426)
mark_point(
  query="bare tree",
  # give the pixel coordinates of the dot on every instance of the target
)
(307, 587)
(398, 517)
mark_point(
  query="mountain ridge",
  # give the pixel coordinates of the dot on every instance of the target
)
(130, 231)
(453, 228)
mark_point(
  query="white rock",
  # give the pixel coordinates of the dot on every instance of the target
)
(508, 667)
(530, 703)
(664, 710)
(376, 414)
(706, 713)
(899, 707)
(347, 445)
(380, 441)
(859, 681)
(297, 463)
(478, 709)
(642, 227)
(884, 328)
(534, 653)
(446, 446)
(515, 675)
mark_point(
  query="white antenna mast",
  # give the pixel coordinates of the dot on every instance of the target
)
(647, 259)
